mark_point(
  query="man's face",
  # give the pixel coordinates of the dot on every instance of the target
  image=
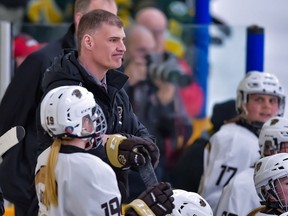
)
(108, 47)
(141, 45)
(261, 107)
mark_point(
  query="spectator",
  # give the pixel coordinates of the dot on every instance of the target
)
(18, 107)
(24, 45)
(156, 21)
(154, 101)
(71, 116)
(259, 97)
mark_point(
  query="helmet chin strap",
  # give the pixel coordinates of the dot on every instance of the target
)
(254, 127)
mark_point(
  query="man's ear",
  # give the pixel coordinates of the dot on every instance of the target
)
(88, 41)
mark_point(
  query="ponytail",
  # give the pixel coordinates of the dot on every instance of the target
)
(51, 194)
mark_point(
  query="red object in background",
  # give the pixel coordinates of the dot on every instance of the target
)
(192, 95)
(24, 45)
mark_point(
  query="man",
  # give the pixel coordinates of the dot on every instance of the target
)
(18, 107)
(156, 21)
(100, 52)
(191, 93)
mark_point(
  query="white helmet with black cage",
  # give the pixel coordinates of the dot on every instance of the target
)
(267, 171)
(64, 109)
(273, 133)
(256, 82)
(190, 204)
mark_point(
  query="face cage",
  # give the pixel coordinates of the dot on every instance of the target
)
(272, 191)
(100, 125)
(271, 147)
(95, 137)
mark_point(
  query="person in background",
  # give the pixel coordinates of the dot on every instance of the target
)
(271, 180)
(260, 96)
(189, 168)
(191, 93)
(168, 91)
(19, 105)
(155, 20)
(77, 123)
(140, 42)
(24, 45)
(162, 114)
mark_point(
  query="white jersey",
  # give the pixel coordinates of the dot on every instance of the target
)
(232, 149)
(239, 197)
(86, 185)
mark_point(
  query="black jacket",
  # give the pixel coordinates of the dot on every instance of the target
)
(2, 209)
(114, 102)
(18, 107)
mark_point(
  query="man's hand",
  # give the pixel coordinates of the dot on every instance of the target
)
(156, 200)
(125, 152)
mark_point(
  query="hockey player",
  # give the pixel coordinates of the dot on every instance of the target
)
(235, 147)
(71, 181)
(271, 182)
(190, 203)
(272, 140)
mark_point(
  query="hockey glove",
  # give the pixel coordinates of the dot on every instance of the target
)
(125, 152)
(156, 200)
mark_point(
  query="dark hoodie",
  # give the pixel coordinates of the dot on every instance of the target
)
(114, 102)
(18, 107)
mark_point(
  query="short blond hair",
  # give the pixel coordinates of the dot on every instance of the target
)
(93, 20)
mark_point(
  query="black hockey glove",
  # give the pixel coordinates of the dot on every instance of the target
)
(156, 200)
(125, 152)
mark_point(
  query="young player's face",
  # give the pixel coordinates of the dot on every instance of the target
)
(284, 147)
(87, 124)
(281, 186)
(108, 47)
(270, 149)
(261, 107)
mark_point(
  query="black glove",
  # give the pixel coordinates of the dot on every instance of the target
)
(157, 199)
(125, 152)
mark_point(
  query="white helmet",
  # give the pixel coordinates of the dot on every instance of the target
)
(62, 111)
(256, 82)
(272, 134)
(190, 204)
(267, 171)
